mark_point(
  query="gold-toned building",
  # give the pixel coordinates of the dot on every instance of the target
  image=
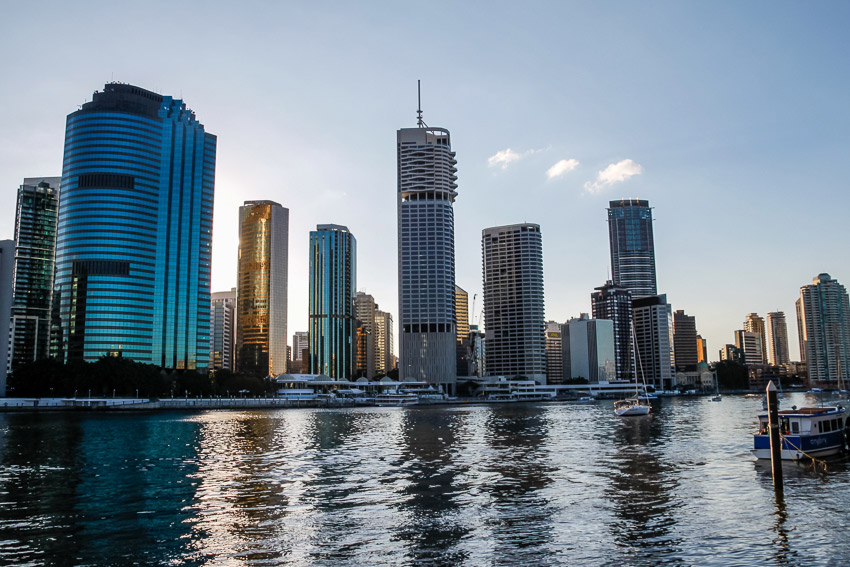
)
(261, 310)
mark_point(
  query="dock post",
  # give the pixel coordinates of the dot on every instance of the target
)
(775, 440)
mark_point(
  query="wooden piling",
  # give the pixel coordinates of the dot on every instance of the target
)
(775, 439)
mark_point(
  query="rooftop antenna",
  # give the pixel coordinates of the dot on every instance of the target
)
(419, 121)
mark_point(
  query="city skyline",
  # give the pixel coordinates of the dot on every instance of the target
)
(661, 112)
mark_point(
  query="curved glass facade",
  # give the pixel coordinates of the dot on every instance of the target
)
(134, 235)
(632, 246)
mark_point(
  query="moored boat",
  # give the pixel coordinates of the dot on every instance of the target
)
(396, 399)
(631, 406)
(805, 433)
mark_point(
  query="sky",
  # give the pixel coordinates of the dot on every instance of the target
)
(731, 118)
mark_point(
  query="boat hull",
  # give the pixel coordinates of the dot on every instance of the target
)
(633, 410)
(796, 447)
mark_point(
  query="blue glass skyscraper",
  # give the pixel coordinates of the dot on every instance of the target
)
(632, 246)
(333, 281)
(135, 231)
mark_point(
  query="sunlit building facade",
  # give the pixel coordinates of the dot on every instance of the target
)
(653, 323)
(36, 216)
(825, 311)
(777, 339)
(366, 349)
(134, 233)
(384, 342)
(754, 323)
(262, 288)
(427, 188)
(333, 322)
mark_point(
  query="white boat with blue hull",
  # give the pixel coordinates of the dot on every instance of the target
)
(805, 433)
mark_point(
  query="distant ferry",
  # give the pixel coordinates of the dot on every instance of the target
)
(396, 399)
(806, 433)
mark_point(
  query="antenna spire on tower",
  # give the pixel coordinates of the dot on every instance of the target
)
(419, 121)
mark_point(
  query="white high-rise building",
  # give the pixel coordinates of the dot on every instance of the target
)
(777, 338)
(825, 311)
(222, 329)
(588, 349)
(515, 324)
(427, 188)
(383, 342)
(749, 342)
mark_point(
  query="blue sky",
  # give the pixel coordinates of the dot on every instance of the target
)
(730, 118)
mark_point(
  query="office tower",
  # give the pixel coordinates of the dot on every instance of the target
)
(632, 246)
(513, 301)
(7, 266)
(826, 322)
(383, 342)
(755, 324)
(427, 188)
(554, 353)
(653, 322)
(749, 343)
(462, 326)
(36, 215)
(702, 350)
(801, 330)
(261, 288)
(366, 349)
(333, 280)
(134, 237)
(300, 352)
(222, 329)
(588, 349)
(732, 353)
(685, 342)
(477, 350)
(777, 338)
(614, 302)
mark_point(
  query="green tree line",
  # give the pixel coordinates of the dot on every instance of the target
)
(122, 377)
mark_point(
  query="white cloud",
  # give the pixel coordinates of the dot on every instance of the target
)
(614, 173)
(503, 158)
(561, 168)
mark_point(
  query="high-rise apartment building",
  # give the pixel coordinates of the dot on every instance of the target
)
(262, 288)
(588, 349)
(554, 353)
(826, 322)
(754, 323)
(222, 329)
(383, 342)
(462, 326)
(632, 246)
(614, 302)
(685, 342)
(777, 339)
(7, 267)
(513, 301)
(427, 188)
(333, 281)
(36, 216)
(134, 235)
(653, 322)
(749, 343)
(801, 331)
(366, 354)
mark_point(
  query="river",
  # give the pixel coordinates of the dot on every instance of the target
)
(502, 484)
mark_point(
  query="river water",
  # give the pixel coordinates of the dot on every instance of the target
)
(503, 484)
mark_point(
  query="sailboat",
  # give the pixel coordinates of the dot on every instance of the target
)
(717, 397)
(634, 406)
